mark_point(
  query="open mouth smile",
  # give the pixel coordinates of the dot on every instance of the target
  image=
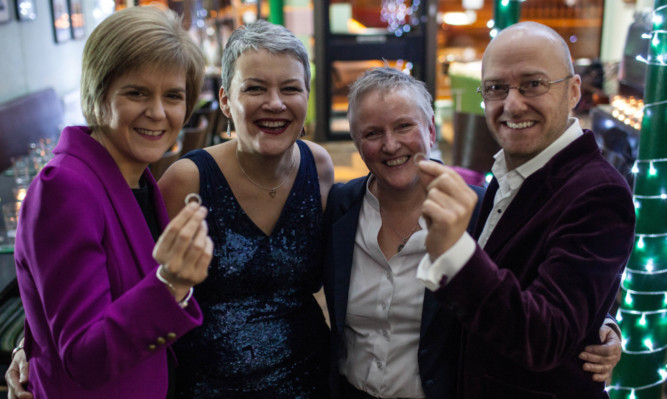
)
(519, 125)
(146, 132)
(397, 161)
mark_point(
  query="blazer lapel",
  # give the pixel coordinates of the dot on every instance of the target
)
(429, 309)
(128, 212)
(531, 197)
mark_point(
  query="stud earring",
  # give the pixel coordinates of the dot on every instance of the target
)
(229, 129)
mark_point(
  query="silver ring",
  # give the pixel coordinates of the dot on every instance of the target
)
(192, 197)
(417, 155)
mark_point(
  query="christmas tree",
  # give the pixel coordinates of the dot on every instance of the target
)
(643, 306)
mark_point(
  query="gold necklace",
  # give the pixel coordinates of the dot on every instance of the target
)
(404, 240)
(272, 191)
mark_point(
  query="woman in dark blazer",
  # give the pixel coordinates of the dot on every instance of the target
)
(104, 293)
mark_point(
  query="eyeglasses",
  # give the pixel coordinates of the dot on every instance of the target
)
(529, 88)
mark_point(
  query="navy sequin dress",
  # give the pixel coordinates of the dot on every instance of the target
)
(264, 335)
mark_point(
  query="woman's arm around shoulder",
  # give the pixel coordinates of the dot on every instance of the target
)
(179, 180)
(325, 169)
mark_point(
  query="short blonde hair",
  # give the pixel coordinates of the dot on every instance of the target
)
(131, 39)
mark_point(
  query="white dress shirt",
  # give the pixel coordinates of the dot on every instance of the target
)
(384, 312)
(509, 183)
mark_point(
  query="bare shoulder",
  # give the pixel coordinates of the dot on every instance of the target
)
(323, 161)
(325, 168)
(179, 180)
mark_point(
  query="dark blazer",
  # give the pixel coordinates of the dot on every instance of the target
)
(98, 321)
(538, 292)
(438, 345)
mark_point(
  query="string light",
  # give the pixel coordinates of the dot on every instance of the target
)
(398, 16)
(642, 314)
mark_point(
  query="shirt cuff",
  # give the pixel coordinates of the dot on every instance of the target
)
(446, 266)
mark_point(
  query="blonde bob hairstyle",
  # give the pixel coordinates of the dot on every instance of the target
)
(132, 39)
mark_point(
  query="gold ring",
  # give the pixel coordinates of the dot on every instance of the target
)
(193, 197)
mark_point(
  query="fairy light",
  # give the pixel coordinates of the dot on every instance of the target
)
(642, 320)
(648, 343)
(642, 314)
(399, 16)
(640, 243)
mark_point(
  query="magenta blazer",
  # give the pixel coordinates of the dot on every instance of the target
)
(98, 321)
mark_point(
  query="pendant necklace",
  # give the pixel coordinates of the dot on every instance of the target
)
(404, 240)
(272, 191)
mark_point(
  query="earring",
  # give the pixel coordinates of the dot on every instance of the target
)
(303, 132)
(229, 129)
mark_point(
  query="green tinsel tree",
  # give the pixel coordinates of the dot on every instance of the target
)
(643, 308)
(505, 13)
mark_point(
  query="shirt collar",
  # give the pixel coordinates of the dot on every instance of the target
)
(573, 132)
(375, 203)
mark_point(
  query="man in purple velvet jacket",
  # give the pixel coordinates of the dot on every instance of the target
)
(554, 232)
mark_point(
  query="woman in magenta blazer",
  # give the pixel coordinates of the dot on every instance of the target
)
(104, 293)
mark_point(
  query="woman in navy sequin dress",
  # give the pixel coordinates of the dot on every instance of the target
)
(264, 335)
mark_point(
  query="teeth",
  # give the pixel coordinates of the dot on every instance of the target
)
(396, 162)
(520, 125)
(272, 125)
(149, 132)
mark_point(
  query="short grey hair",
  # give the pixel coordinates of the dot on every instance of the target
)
(384, 80)
(262, 35)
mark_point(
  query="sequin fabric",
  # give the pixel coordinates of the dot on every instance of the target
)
(264, 335)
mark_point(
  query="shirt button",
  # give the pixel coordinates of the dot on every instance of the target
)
(151, 347)
(171, 336)
(379, 364)
(385, 333)
(384, 305)
(160, 341)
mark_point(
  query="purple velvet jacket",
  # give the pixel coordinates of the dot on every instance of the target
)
(98, 321)
(539, 291)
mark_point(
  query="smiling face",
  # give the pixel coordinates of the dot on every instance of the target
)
(146, 111)
(389, 129)
(524, 126)
(267, 101)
